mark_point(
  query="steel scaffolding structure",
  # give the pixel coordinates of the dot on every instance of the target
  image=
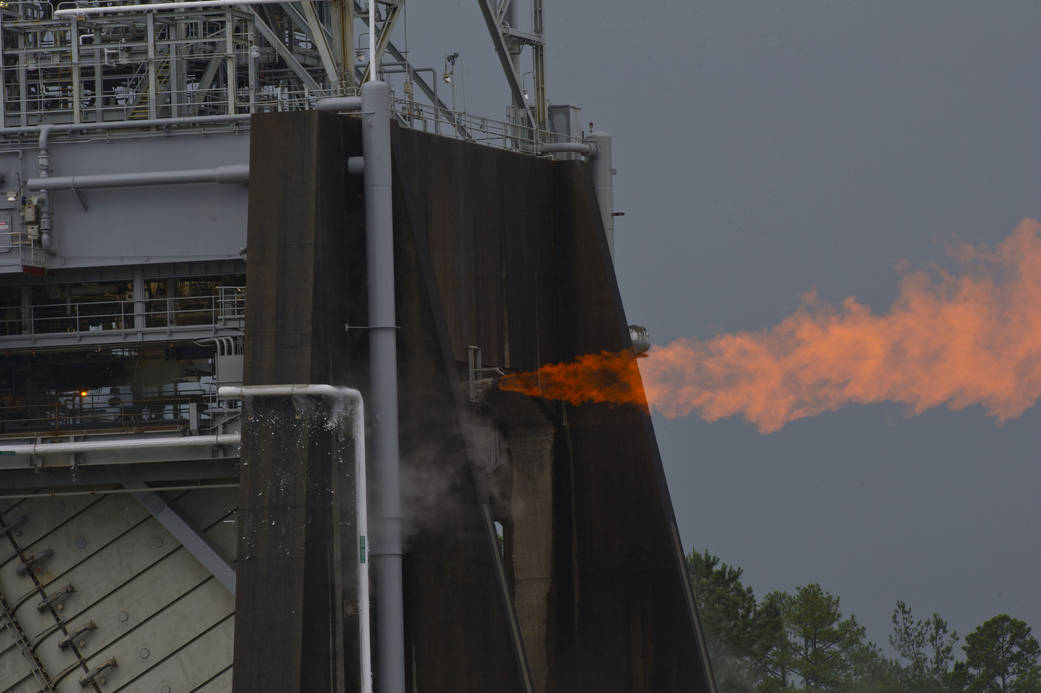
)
(138, 510)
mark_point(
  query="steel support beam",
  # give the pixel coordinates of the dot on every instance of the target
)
(295, 16)
(500, 13)
(343, 38)
(283, 52)
(538, 59)
(503, 51)
(321, 42)
(51, 479)
(230, 62)
(383, 38)
(440, 105)
(153, 78)
(77, 84)
(183, 532)
(207, 79)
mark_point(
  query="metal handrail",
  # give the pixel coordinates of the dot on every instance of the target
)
(228, 305)
(59, 81)
(94, 411)
(481, 130)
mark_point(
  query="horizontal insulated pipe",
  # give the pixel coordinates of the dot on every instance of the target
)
(236, 173)
(337, 104)
(45, 130)
(568, 148)
(233, 392)
(115, 444)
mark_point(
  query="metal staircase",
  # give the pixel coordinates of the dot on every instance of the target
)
(160, 66)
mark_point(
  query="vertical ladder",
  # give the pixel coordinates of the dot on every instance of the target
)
(9, 622)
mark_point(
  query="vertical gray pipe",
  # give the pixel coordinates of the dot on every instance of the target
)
(515, 53)
(171, 297)
(139, 298)
(383, 364)
(27, 310)
(43, 160)
(602, 181)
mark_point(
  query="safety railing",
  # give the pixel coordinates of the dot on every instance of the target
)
(173, 65)
(489, 132)
(226, 308)
(97, 412)
(21, 246)
(231, 302)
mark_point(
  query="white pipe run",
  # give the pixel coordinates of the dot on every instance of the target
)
(338, 104)
(586, 148)
(117, 445)
(358, 433)
(373, 67)
(151, 7)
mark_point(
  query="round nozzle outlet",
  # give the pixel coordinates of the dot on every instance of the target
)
(641, 339)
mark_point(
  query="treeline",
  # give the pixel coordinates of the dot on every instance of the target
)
(801, 642)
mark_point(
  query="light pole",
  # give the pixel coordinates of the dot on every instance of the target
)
(448, 74)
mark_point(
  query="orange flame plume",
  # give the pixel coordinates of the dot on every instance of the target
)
(973, 338)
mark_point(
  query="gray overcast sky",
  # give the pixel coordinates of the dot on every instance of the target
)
(767, 148)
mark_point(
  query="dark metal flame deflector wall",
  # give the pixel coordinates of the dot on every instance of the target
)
(502, 251)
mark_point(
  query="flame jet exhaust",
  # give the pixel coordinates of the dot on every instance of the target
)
(955, 340)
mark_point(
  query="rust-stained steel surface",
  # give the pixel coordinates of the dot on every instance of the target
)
(501, 251)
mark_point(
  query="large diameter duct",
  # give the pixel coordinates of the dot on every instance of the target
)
(233, 173)
(383, 364)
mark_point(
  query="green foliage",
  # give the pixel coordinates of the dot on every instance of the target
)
(927, 647)
(1000, 656)
(824, 648)
(801, 643)
(774, 651)
(782, 641)
(729, 618)
(727, 608)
